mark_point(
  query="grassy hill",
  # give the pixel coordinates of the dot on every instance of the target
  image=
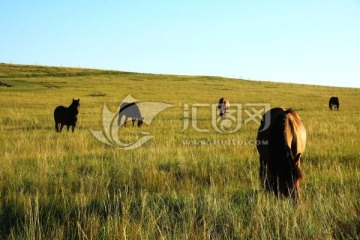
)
(192, 180)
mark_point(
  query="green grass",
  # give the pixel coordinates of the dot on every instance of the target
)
(180, 184)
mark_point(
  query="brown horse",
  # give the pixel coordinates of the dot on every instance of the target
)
(280, 147)
(223, 105)
(66, 116)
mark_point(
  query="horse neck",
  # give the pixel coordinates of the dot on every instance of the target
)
(279, 134)
(73, 108)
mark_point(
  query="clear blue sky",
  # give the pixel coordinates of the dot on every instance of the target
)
(307, 41)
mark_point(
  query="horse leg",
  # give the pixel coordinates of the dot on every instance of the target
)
(133, 121)
(119, 119)
(61, 127)
(126, 118)
(274, 186)
(262, 172)
(73, 127)
(56, 127)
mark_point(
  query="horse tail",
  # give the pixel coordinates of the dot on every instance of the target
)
(56, 128)
(57, 118)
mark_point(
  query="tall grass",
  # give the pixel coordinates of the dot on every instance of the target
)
(180, 184)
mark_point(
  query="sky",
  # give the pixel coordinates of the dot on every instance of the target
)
(308, 41)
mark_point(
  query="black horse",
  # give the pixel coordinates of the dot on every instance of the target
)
(66, 116)
(334, 103)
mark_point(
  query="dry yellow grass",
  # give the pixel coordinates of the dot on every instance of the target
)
(180, 184)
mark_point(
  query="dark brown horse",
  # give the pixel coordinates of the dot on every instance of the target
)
(280, 147)
(334, 103)
(223, 105)
(66, 116)
(130, 110)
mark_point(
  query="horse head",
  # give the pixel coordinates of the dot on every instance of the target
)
(291, 175)
(74, 107)
(140, 122)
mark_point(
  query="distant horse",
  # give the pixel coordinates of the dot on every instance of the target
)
(66, 116)
(280, 147)
(223, 105)
(130, 110)
(334, 103)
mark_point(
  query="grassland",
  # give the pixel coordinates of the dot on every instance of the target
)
(180, 184)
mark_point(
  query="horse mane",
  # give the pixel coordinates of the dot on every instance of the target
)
(287, 118)
(125, 105)
(297, 132)
(294, 115)
(72, 105)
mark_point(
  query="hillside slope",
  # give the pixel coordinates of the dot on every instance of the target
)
(196, 177)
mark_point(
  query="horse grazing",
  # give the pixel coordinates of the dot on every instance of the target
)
(223, 105)
(334, 103)
(280, 147)
(66, 116)
(130, 110)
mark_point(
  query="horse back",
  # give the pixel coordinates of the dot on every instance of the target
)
(293, 130)
(59, 111)
(130, 110)
(264, 134)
